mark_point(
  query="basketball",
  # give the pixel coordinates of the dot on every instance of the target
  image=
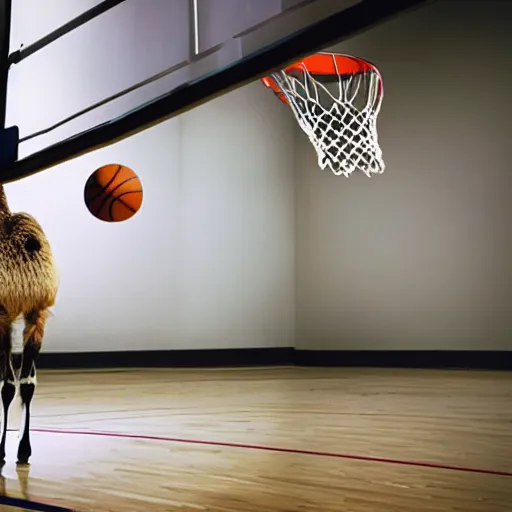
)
(113, 193)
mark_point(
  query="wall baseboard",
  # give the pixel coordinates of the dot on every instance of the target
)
(168, 358)
(448, 359)
(478, 359)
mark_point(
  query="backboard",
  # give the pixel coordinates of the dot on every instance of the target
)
(86, 73)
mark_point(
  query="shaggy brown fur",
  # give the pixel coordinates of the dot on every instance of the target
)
(28, 280)
(28, 287)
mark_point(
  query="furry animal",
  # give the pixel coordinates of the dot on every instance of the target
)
(28, 288)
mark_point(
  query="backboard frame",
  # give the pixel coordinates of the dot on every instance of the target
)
(315, 37)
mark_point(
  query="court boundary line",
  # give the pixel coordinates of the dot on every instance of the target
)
(277, 449)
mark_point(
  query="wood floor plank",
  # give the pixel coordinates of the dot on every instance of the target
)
(453, 418)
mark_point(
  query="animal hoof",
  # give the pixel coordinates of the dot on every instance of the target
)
(24, 453)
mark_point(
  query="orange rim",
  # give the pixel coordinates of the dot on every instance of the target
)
(326, 64)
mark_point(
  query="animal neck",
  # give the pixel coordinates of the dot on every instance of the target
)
(4, 206)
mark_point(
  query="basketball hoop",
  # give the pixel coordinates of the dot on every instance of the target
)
(336, 100)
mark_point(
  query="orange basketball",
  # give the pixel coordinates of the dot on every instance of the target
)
(113, 193)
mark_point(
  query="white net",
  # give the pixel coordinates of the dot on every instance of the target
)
(339, 116)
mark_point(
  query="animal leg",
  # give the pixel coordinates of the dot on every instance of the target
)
(32, 340)
(7, 376)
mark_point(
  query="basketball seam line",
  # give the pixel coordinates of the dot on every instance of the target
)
(113, 190)
(103, 188)
(118, 198)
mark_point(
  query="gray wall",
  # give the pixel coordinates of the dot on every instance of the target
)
(224, 255)
(208, 262)
(421, 256)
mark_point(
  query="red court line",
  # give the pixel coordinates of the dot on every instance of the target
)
(362, 458)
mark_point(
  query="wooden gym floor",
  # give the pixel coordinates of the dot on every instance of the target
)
(269, 440)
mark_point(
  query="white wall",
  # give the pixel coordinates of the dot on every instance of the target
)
(421, 256)
(209, 260)
(119, 282)
(231, 244)
(237, 222)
